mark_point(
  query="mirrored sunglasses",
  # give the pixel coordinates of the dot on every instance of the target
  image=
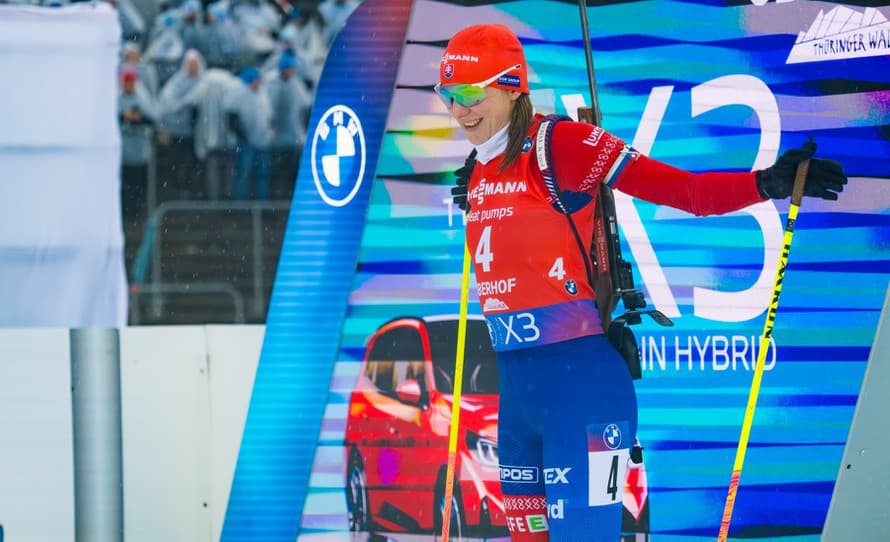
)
(468, 94)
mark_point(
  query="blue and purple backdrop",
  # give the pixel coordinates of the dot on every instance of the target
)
(703, 85)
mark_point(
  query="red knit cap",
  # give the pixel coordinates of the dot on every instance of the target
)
(481, 51)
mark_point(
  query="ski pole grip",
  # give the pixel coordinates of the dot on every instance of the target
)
(799, 181)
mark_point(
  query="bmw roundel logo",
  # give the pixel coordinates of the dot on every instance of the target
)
(338, 155)
(571, 286)
(612, 436)
(527, 144)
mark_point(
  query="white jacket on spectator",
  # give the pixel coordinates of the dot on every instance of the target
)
(211, 124)
(287, 40)
(176, 99)
(133, 25)
(335, 13)
(254, 114)
(165, 43)
(221, 37)
(191, 26)
(258, 22)
(310, 48)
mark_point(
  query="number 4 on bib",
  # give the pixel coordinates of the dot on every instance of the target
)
(608, 450)
(558, 270)
(484, 255)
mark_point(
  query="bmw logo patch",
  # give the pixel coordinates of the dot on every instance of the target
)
(612, 436)
(572, 286)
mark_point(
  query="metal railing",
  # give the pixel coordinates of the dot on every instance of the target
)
(147, 272)
(158, 290)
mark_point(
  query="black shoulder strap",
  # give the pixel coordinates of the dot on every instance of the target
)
(545, 158)
(544, 155)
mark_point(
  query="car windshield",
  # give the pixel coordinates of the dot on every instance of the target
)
(480, 373)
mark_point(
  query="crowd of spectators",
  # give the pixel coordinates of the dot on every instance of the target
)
(215, 96)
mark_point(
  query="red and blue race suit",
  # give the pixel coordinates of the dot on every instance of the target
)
(568, 413)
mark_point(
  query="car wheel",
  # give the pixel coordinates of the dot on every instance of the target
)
(457, 525)
(357, 507)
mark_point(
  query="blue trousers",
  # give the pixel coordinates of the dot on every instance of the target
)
(251, 159)
(567, 419)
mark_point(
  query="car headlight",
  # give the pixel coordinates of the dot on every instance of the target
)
(483, 450)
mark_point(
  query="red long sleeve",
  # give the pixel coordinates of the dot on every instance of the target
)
(585, 156)
(711, 193)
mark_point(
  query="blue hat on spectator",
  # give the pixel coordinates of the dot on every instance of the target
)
(287, 60)
(170, 19)
(249, 75)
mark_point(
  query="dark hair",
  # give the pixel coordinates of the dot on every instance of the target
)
(520, 119)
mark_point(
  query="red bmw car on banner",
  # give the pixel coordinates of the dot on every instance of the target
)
(397, 427)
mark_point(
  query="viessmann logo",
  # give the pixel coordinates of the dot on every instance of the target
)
(842, 33)
(486, 188)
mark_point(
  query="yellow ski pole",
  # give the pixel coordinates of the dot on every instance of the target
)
(796, 196)
(455, 406)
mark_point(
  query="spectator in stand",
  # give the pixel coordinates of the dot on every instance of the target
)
(221, 40)
(167, 17)
(145, 72)
(289, 100)
(249, 118)
(259, 23)
(136, 113)
(191, 30)
(177, 106)
(165, 47)
(287, 40)
(310, 47)
(214, 144)
(133, 25)
(335, 13)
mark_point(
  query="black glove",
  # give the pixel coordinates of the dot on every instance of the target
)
(825, 178)
(459, 192)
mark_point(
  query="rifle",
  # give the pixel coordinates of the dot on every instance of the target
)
(612, 275)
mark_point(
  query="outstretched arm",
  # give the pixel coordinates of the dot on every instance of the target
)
(590, 156)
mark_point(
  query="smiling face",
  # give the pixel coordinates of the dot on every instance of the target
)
(483, 120)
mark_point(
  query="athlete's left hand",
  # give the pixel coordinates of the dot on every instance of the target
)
(825, 178)
(459, 192)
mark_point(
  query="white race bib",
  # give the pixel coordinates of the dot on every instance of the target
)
(608, 450)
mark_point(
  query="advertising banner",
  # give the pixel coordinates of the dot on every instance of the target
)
(61, 235)
(339, 441)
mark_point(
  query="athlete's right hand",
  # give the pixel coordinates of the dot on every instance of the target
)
(459, 192)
